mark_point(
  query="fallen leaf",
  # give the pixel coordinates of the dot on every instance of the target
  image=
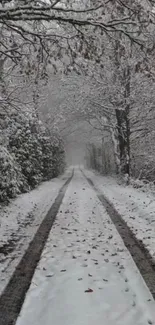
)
(89, 290)
(49, 275)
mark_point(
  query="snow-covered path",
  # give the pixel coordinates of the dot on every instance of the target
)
(136, 207)
(20, 220)
(86, 275)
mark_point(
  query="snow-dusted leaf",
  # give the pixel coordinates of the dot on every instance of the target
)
(89, 290)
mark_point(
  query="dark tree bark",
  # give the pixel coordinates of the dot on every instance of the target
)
(123, 137)
(123, 126)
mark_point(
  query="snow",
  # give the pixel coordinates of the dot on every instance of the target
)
(20, 220)
(84, 252)
(135, 206)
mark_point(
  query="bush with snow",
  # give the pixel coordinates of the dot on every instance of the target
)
(12, 181)
(25, 145)
(29, 153)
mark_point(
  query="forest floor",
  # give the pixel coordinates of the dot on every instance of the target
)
(95, 265)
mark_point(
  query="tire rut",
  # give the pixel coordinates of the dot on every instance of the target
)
(13, 295)
(138, 251)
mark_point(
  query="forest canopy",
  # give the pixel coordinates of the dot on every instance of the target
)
(110, 46)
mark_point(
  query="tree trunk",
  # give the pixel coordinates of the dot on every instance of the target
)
(123, 126)
(127, 75)
(115, 141)
(122, 114)
(2, 82)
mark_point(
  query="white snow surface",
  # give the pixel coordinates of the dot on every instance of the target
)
(20, 220)
(135, 206)
(85, 252)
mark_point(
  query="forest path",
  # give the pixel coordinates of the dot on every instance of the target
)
(86, 275)
(13, 295)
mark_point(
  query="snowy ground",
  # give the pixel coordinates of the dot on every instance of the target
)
(86, 276)
(136, 207)
(19, 222)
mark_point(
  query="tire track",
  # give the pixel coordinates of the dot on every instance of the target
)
(13, 296)
(138, 251)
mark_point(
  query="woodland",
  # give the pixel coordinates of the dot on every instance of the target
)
(76, 67)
